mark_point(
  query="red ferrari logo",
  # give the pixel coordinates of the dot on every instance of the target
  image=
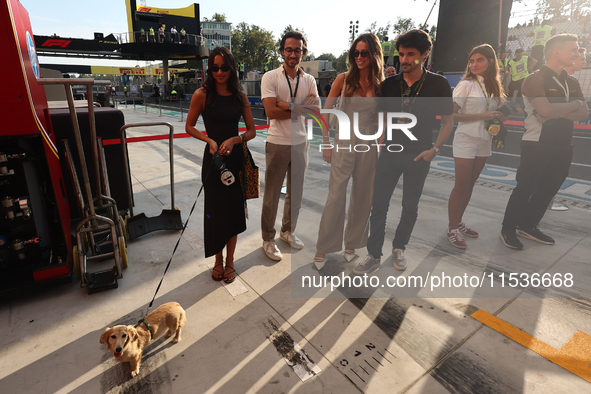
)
(56, 43)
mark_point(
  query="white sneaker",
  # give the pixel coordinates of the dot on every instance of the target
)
(291, 239)
(271, 250)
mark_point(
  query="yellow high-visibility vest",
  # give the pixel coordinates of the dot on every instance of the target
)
(542, 34)
(386, 48)
(518, 68)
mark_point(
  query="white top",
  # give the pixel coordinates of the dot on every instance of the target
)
(274, 84)
(173, 30)
(471, 99)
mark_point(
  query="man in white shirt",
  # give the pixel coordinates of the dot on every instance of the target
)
(173, 33)
(287, 144)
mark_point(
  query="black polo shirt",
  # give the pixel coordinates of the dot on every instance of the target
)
(433, 99)
(542, 83)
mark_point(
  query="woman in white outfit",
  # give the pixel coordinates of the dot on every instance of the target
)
(476, 100)
(358, 89)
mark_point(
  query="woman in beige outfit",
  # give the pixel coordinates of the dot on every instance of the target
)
(354, 157)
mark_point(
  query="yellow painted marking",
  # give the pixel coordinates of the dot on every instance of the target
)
(574, 356)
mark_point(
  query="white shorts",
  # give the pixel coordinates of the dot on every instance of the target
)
(468, 147)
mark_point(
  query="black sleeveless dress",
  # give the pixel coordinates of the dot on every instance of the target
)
(224, 205)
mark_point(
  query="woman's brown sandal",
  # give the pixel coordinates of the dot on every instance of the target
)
(220, 272)
(228, 281)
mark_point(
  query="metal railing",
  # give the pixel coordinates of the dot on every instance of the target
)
(173, 106)
(166, 37)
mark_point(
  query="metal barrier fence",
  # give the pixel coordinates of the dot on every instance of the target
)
(167, 37)
(177, 107)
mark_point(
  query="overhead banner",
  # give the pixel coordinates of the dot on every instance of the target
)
(108, 44)
(187, 11)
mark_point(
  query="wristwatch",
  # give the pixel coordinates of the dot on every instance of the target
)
(291, 105)
(436, 149)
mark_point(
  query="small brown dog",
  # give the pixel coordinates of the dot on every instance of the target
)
(126, 343)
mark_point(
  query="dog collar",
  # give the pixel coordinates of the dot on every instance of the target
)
(147, 325)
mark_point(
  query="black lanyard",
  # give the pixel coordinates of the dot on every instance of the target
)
(291, 94)
(408, 92)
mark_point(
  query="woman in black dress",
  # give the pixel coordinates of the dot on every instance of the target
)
(222, 102)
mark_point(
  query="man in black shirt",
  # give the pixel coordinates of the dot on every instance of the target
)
(553, 101)
(425, 95)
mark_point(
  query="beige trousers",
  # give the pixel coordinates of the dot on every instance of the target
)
(361, 167)
(281, 160)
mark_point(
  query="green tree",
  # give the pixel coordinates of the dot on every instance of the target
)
(381, 32)
(403, 25)
(252, 44)
(341, 62)
(431, 30)
(549, 9)
(217, 17)
(327, 56)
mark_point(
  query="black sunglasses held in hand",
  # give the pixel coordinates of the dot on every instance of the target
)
(215, 69)
(362, 53)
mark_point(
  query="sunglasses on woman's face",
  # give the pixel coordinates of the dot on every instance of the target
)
(362, 53)
(215, 69)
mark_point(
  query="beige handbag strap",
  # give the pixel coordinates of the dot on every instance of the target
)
(338, 103)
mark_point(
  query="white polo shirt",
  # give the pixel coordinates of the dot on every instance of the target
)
(274, 84)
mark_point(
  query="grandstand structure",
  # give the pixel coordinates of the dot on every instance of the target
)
(523, 37)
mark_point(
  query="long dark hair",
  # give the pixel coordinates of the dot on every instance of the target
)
(234, 86)
(376, 72)
(492, 81)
